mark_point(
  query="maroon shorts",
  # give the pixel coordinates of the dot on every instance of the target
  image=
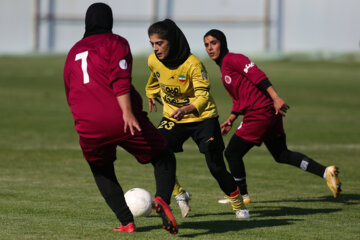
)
(144, 146)
(260, 125)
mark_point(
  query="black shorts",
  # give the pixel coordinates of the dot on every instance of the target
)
(206, 134)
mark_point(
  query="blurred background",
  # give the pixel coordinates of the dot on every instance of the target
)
(270, 28)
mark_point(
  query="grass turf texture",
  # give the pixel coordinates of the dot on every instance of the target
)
(47, 190)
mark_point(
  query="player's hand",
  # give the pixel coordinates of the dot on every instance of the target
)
(280, 106)
(131, 123)
(152, 103)
(178, 114)
(226, 127)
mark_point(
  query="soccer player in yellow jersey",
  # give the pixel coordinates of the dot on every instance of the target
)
(180, 80)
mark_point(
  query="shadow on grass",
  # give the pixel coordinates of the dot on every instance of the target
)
(257, 212)
(348, 199)
(224, 226)
(277, 211)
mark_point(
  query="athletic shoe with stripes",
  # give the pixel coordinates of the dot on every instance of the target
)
(160, 207)
(238, 205)
(246, 199)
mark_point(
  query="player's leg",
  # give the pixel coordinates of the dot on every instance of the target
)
(207, 135)
(278, 149)
(250, 133)
(177, 188)
(113, 194)
(100, 158)
(164, 171)
(149, 146)
(234, 154)
(175, 135)
(182, 198)
(216, 165)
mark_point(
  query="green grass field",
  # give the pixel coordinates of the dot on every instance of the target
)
(47, 190)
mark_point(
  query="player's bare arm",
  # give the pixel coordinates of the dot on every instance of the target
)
(128, 116)
(279, 104)
(178, 114)
(227, 125)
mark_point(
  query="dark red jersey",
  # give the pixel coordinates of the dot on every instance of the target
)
(240, 77)
(97, 69)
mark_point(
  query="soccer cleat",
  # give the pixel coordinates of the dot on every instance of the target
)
(246, 199)
(243, 213)
(128, 228)
(182, 201)
(332, 180)
(160, 207)
(224, 201)
(238, 205)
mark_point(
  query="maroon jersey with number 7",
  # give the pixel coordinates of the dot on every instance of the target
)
(97, 69)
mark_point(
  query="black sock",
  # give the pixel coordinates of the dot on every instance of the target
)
(241, 183)
(112, 192)
(305, 163)
(282, 154)
(164, 171)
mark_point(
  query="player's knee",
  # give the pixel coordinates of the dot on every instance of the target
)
(232, 154)
(228, 153)
(217, 170)
(282, 157)
(215, 163)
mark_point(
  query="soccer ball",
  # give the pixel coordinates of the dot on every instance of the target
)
(139, 201)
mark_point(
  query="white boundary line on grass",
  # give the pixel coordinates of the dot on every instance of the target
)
(190, 146)
(326, 147)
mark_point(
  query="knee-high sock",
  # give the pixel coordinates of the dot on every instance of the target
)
(216, 165)
(112, 192)
(282, 154)
(234, 154)
(164, 171)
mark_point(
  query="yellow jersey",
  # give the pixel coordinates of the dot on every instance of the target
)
(185, 85)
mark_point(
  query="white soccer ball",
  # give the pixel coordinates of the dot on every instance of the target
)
(139, 201)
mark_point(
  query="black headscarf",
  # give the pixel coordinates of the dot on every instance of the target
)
(98, 19)
(219, 35)
(179, 46)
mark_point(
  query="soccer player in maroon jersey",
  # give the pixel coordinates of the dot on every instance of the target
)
(254, 97)
(108, 113)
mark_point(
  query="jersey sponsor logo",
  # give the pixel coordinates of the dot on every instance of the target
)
(227, 79)
(247, 66)
(176, 101)
(170, 90)
(182, 78)
(123, 64)
(240, 125)
(204, 74)
(157, 74)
